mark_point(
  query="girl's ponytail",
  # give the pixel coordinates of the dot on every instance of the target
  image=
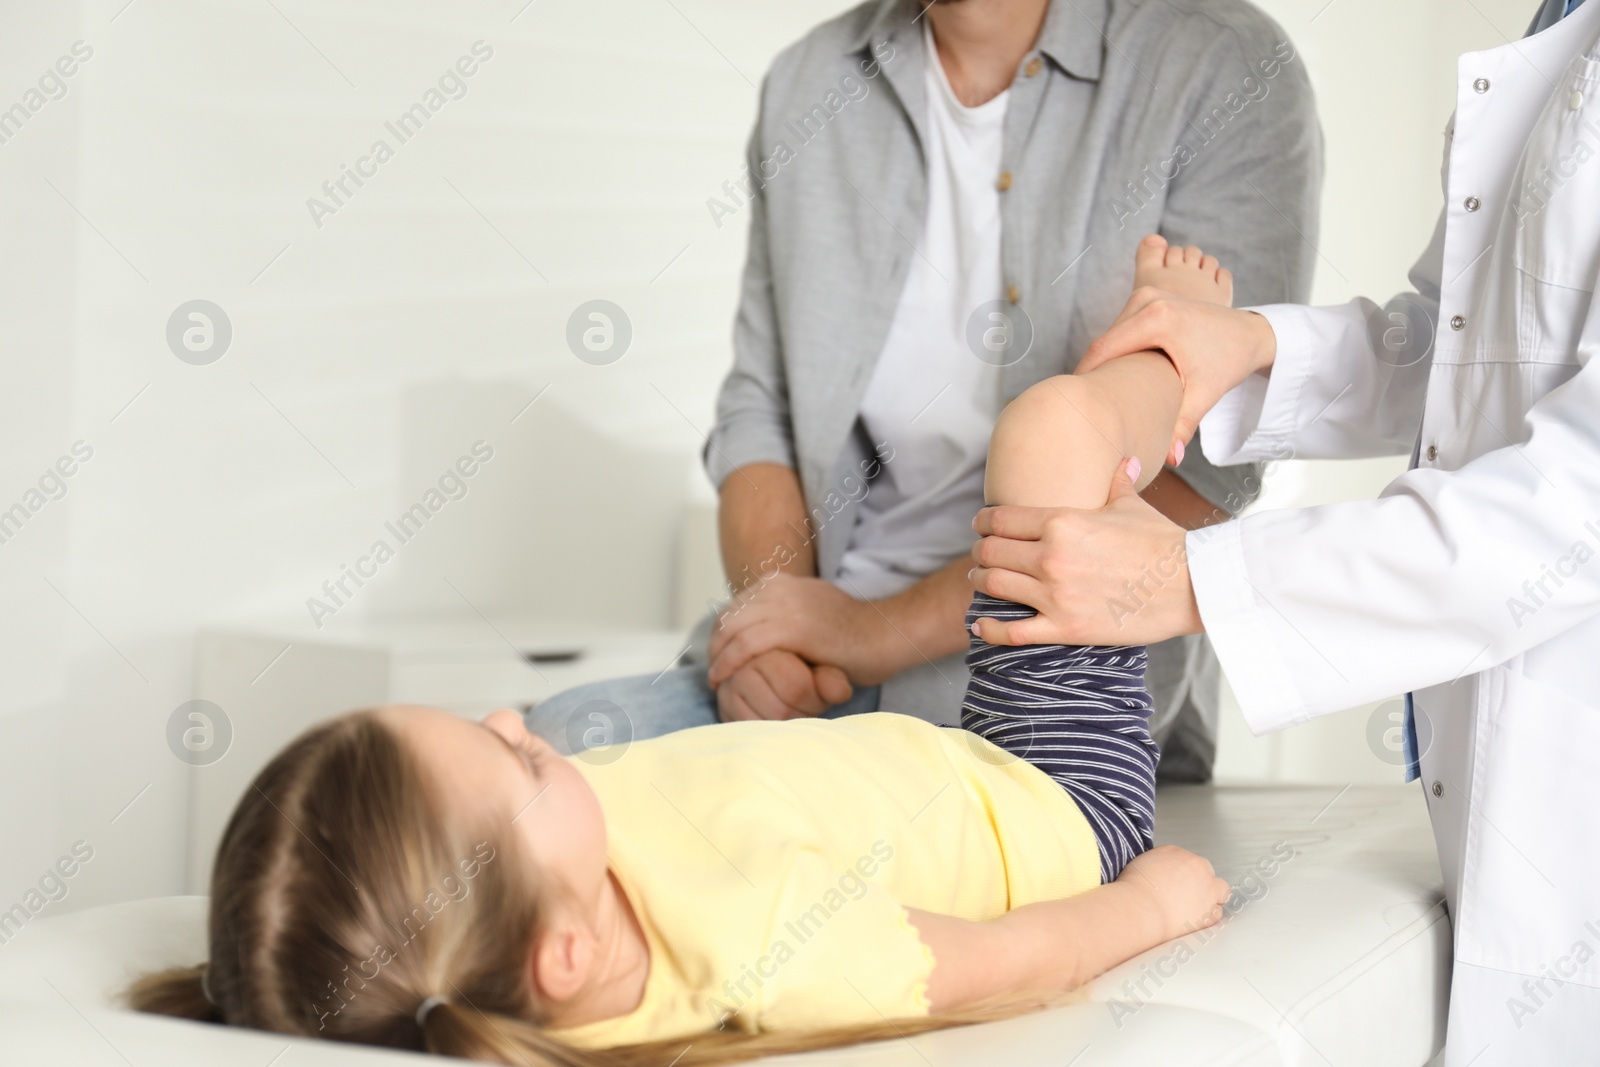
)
(179, 991)
(460, 1030)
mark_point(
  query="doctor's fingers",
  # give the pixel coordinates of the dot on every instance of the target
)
(1011, 585)
(1214, 348)
(1009, 554)
(1183, 431)
(1039, 630)
(1016, 523)
(1151, 321)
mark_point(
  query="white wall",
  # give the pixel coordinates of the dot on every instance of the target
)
(372, 351)
(368, 353)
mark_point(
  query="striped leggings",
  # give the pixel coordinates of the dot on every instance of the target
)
(1081, 714)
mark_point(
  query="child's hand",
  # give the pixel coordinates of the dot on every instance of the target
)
(1182, 887)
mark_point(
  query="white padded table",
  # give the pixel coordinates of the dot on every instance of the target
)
(1341, 955)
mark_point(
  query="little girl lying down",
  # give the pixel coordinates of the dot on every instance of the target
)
(403, 877)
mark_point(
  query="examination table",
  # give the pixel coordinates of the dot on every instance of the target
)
(1336, 951)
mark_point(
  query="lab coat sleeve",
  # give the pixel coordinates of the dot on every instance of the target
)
(753, 423)
(1348, 381)
(1448, 573)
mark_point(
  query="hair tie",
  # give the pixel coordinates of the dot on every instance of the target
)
(205, 984)
(427, 1005)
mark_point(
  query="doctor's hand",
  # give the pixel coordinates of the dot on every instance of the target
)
(1214, 348)
(780, 685)
(1117, 575)
(809, 617)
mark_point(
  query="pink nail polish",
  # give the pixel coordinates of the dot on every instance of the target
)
(1135, 468)
(1177, 450)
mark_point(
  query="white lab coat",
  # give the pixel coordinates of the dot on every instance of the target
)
(1474, 580)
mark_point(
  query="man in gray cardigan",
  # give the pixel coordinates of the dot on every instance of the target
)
(943, 201)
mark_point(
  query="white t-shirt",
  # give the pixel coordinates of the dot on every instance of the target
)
(931, 398)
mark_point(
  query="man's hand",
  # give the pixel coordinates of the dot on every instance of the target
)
(1214, 348)
(780, 685)
(809, 617)
(1113, 576)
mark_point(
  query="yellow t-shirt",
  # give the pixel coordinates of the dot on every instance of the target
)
(770, 865)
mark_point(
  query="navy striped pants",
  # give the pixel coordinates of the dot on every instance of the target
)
(1081, 714)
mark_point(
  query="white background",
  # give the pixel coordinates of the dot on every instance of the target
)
(372, 351)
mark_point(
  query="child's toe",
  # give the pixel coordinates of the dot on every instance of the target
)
(1151, 252)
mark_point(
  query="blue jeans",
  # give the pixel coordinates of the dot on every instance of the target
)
(623, 710)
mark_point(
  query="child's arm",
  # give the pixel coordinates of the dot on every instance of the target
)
(1058, 945)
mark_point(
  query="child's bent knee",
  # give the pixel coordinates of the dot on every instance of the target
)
(1055, 445)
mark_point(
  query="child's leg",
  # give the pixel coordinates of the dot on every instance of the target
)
(1079, 713)
(1059, 443)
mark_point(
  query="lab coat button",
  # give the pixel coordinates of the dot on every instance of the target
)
(1013, 294)
(1433, 453)
(1457, 322)
(1034, 66)
(1473, 203)
(1438, 790)
(1577, 99)
(1481, 85)
(1005, 181)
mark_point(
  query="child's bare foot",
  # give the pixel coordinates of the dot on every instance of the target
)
(1186, 272)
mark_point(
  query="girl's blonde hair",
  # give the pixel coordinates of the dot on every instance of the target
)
(341, 900)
